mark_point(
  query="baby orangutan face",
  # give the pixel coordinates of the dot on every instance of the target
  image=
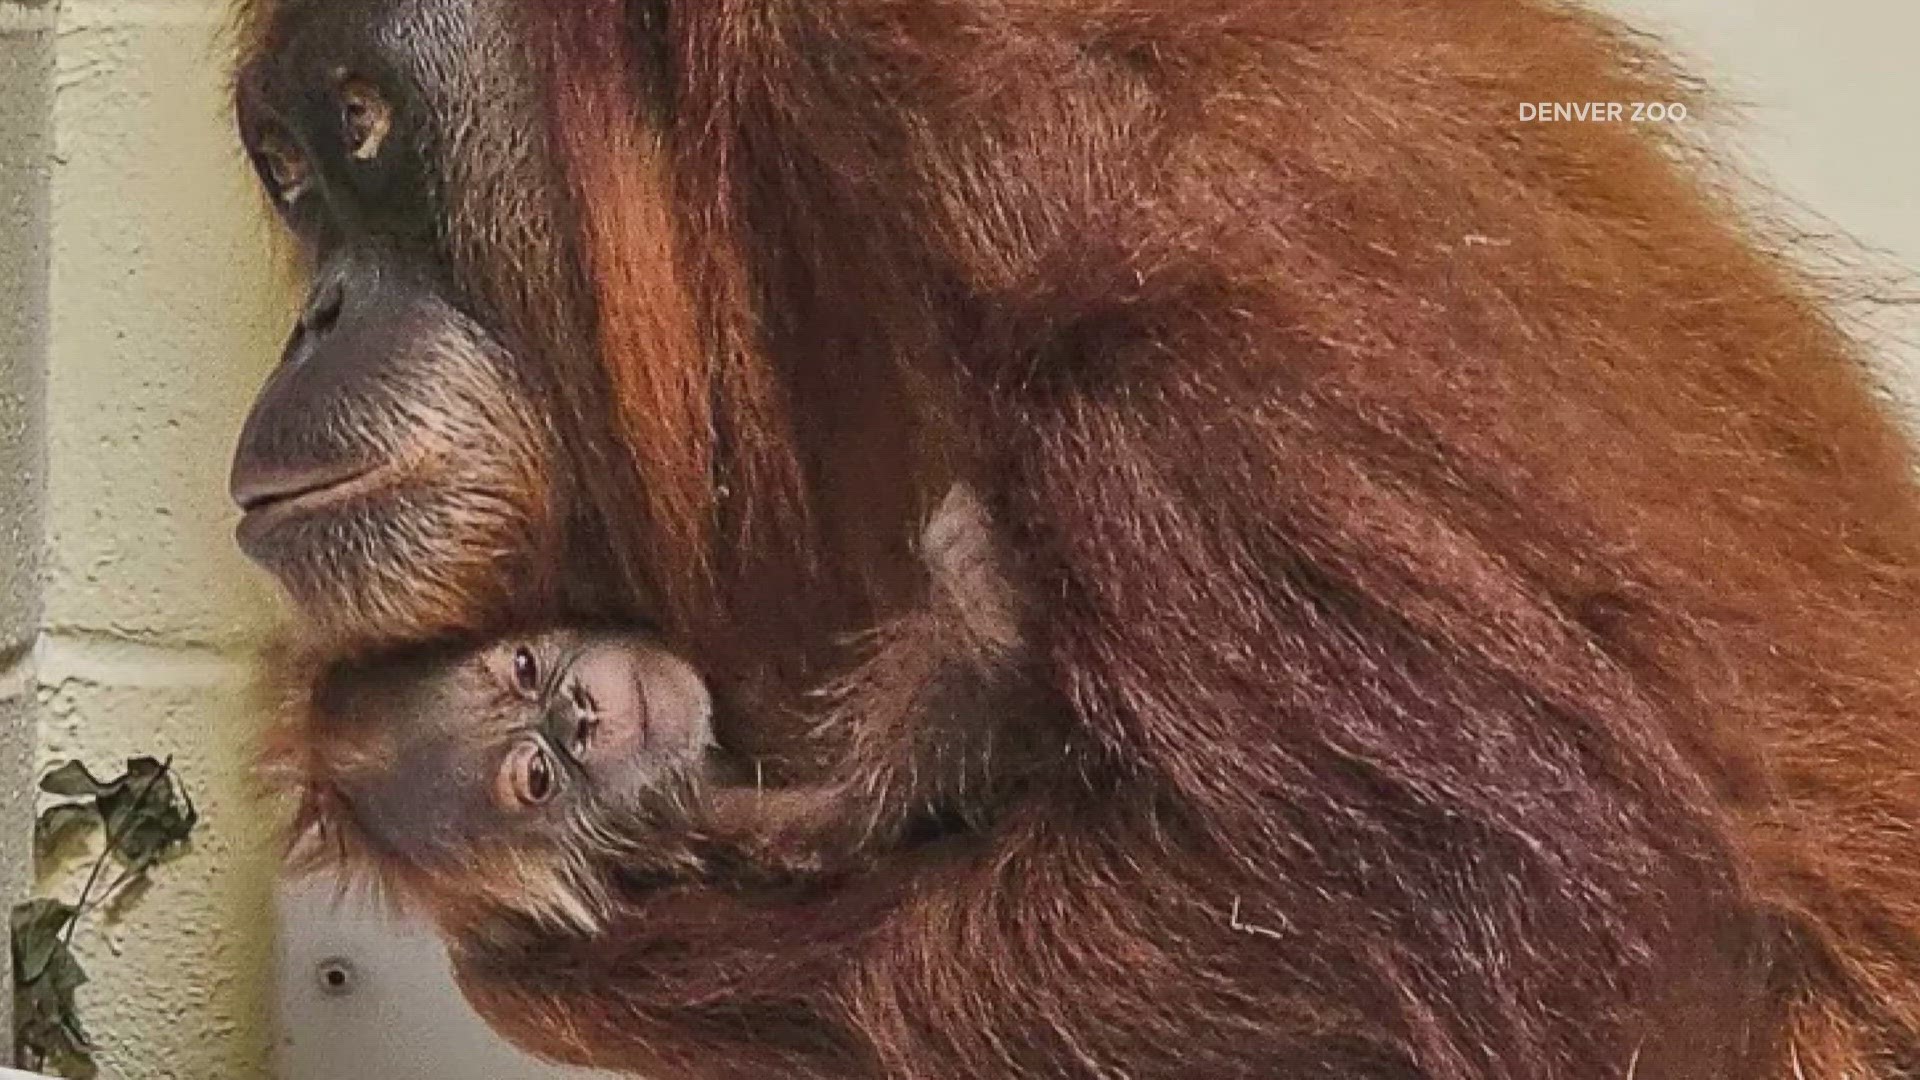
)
(518, 768)
(606, 717)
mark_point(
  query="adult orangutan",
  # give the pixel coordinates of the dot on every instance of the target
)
(1457, 592)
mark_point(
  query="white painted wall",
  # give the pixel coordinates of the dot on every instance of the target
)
(363, 997)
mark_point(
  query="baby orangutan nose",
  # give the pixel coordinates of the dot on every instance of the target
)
(577, 712)
(620, 698)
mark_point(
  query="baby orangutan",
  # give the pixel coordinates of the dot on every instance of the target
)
(510, 765)
(545, 773)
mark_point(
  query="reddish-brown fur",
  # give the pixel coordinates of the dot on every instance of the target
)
(1474, 587)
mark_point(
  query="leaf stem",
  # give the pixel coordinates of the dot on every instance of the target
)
(114, 837)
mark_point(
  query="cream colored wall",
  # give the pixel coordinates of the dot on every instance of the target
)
(164, 315)
(162, 323)
(26, 91)
(1826, 91)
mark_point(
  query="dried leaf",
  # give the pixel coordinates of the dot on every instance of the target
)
(46, 1025)
(148, 817)
(37, 927)
(148, 814)
(74, 781)
(58, 823)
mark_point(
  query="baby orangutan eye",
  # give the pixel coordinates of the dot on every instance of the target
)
(526, 671)
(526, 777)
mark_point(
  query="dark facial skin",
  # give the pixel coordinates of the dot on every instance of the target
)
(398, 427)
(549, 740)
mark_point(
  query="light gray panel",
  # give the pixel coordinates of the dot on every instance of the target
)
(362, 996)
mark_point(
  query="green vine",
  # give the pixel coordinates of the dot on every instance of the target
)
(147, 818)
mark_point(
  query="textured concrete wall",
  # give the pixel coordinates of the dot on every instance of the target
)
(26, 85)
(163, 317)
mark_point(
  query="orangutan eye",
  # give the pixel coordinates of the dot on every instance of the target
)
(286, 167)
(526, 777)
(365, 116)
(526, 671)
